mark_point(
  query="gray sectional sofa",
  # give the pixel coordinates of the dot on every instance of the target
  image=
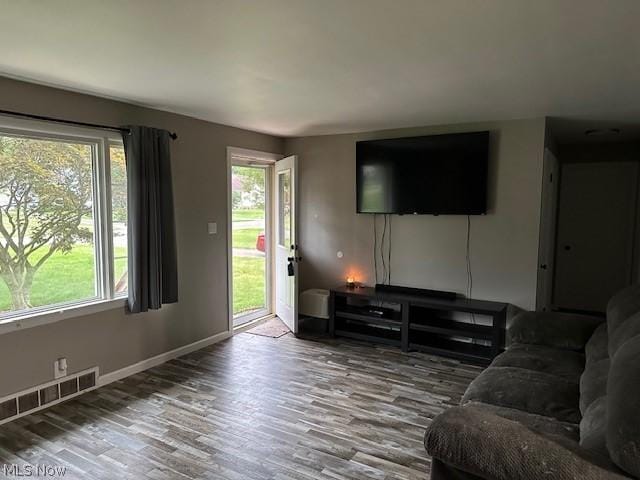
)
(562, 402)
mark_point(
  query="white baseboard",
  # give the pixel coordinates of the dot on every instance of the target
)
(160, 359)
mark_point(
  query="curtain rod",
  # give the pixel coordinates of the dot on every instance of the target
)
(72, 122)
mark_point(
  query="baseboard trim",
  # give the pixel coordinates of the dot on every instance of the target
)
(160, 359)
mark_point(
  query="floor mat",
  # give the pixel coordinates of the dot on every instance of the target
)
(273, 328)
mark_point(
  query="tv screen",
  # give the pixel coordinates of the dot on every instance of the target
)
(437, 174)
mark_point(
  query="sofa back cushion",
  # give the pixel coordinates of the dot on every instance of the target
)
(593, 427)
(623, 383)
(623, 412)
(597, 347)
(593, 383)
(622, 305)
(568, 331)
(593, 392)
(626, 330)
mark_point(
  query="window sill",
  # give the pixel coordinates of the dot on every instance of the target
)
(35, 319)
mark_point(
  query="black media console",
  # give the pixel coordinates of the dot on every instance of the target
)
(466, 329)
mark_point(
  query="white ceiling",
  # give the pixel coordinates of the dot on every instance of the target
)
(299, 67)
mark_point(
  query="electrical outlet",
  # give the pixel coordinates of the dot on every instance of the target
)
(60, 368)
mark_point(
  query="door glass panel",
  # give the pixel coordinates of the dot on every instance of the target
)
(284, 208)
(248, 187)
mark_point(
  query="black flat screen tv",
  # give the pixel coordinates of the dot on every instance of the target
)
(436, 174)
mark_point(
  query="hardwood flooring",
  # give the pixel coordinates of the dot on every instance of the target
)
(251, 407)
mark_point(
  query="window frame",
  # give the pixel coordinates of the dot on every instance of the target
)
(101, 141)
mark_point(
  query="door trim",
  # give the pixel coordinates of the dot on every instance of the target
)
(547, 231)
(240, 156)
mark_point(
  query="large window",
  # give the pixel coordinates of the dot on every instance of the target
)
(63, 218)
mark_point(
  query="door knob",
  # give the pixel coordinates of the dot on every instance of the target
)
(543, 266)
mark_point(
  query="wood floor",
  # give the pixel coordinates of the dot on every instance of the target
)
(251, 407)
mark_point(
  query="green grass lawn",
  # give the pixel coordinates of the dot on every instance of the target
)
(249, 284)
(242, 215)
(68, 277)
(246, 237)
(65, 277)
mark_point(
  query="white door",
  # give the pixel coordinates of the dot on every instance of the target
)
(548, 221)
(596, 220)
(287, 255)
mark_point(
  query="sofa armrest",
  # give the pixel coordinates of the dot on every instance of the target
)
(492, 447)
(553, 329)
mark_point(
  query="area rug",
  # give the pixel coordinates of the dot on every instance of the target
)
(273, 328)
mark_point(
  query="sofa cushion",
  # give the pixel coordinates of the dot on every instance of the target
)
(593, 383)
(621, 306)
(526, 390)
(493, 447)
(597, 347)
(593, 427)
(623, 412)
(554, 361)
(560, 330)
(626, 330)
(537, 423)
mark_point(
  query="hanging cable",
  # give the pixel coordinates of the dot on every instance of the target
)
(375, 248)
(469, 272)
(384, 264)
(389, 252)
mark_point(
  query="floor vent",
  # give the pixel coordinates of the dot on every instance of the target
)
(43, 396)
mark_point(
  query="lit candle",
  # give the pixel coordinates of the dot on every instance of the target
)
(351, 282)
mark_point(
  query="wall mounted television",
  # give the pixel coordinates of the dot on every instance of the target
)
(436, 175)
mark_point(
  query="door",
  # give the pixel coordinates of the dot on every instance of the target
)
(250, 235)
(287, 255)
(548, 222)
(596, 223)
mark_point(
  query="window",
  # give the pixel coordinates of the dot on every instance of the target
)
(63, 217)
(284, 187)
(119, 217)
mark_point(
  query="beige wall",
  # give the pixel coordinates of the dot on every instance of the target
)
(113, 340)
(428, 251)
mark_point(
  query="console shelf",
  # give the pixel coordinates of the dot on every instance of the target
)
(417, 322)
(454, 328)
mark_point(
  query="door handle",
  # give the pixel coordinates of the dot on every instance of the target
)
(543, 266)
(294, 259)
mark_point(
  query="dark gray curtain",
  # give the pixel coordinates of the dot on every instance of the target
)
(153, 269)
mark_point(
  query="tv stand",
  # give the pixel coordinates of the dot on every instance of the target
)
(381, 287)
(434, 325)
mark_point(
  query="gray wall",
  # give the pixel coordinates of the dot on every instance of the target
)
(428, 251)
(113, 340)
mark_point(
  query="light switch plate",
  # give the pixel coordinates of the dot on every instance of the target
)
(212, 228)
